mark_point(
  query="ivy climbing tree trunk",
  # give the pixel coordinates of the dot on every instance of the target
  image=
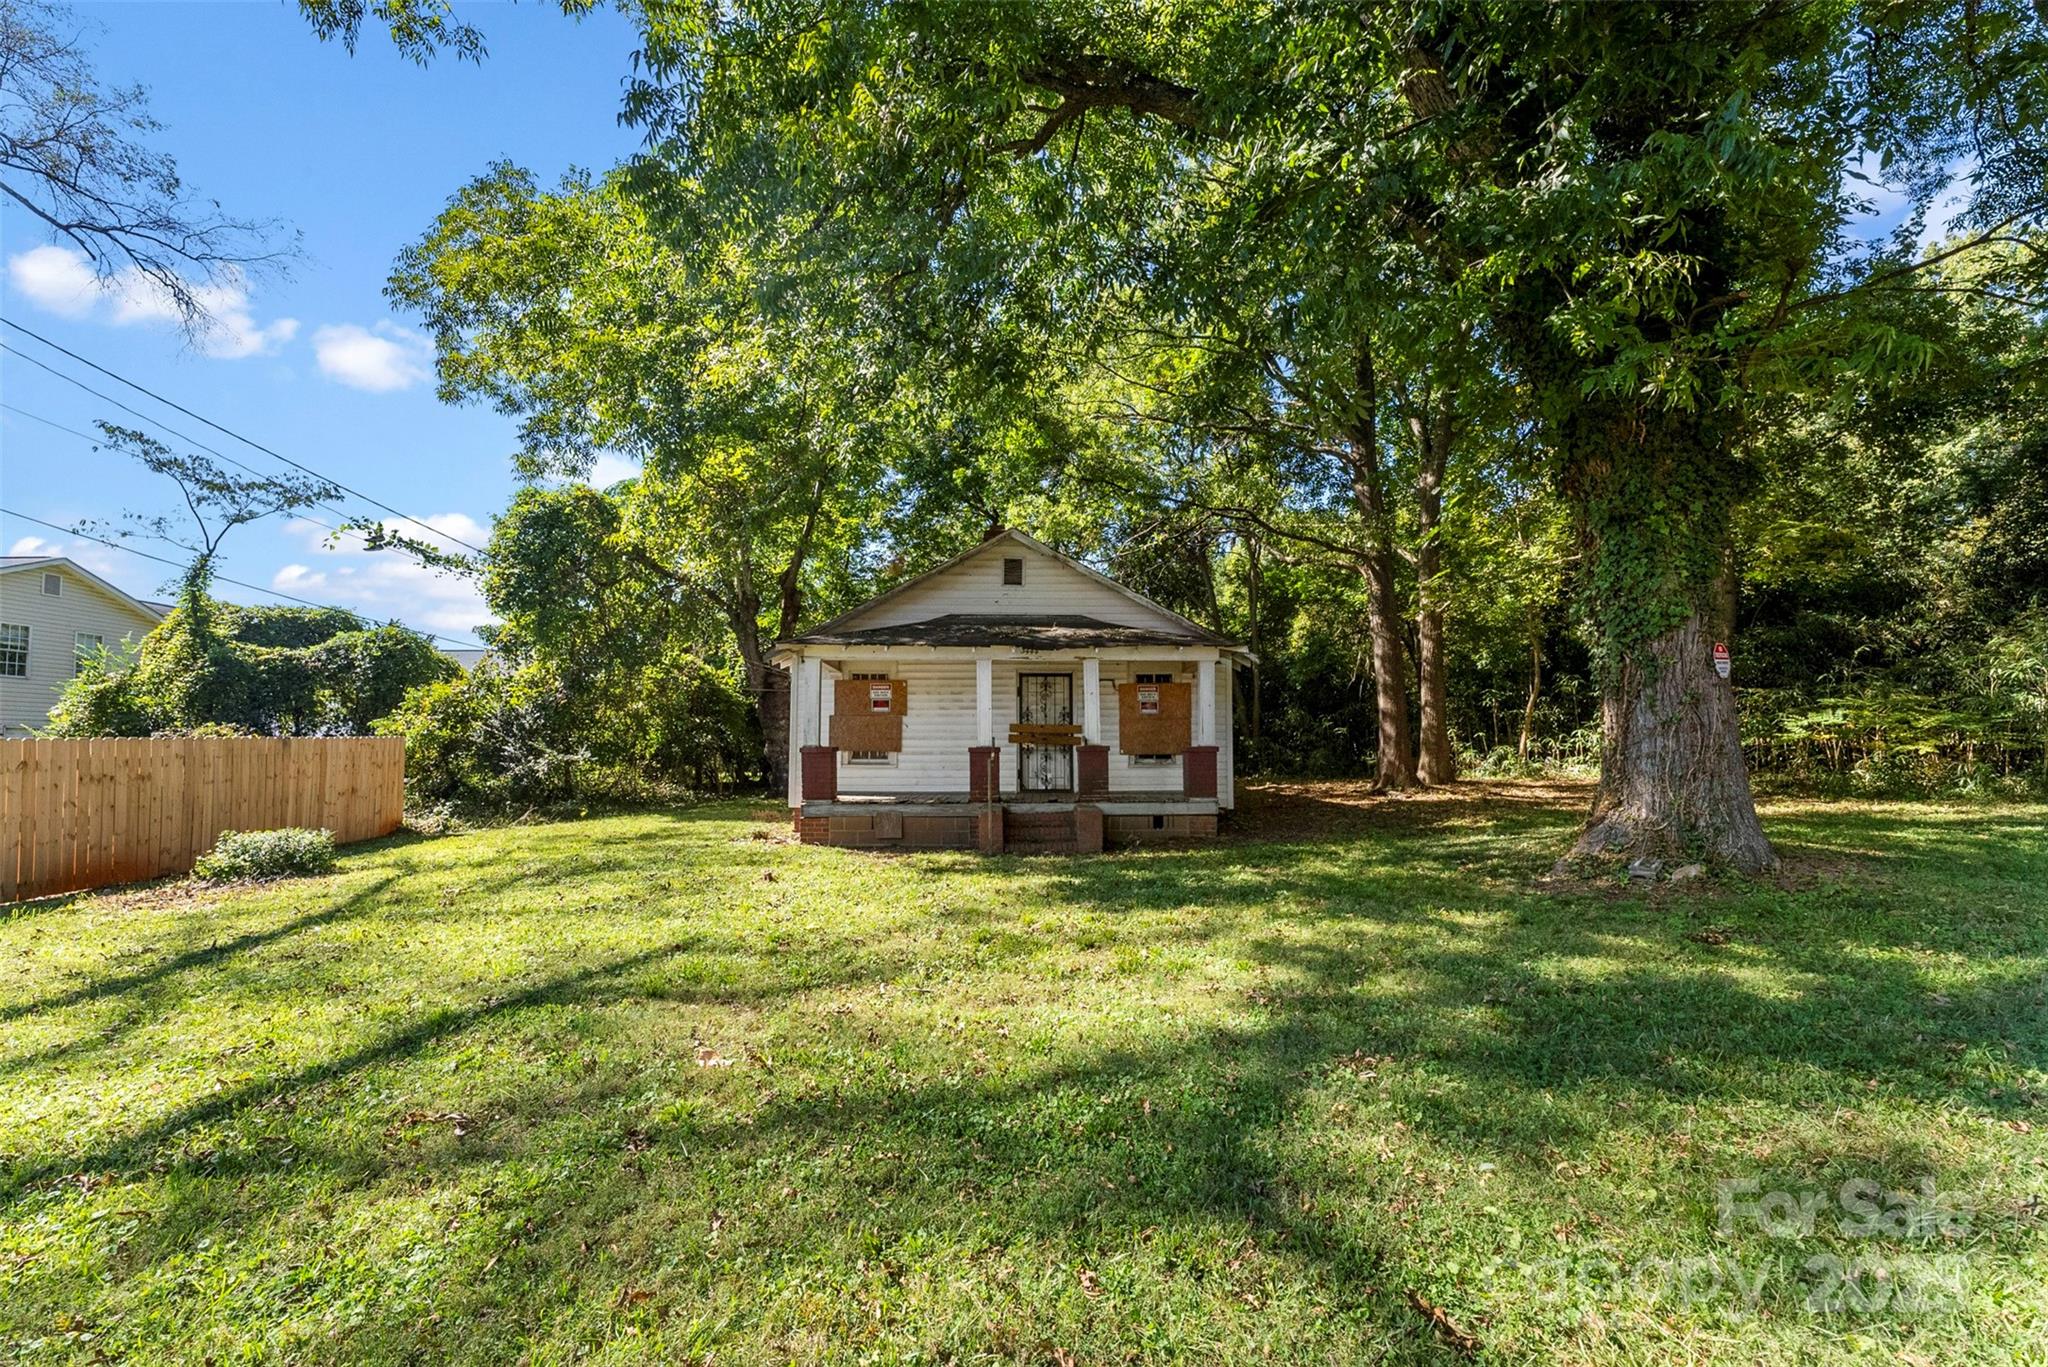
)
(1654, 488)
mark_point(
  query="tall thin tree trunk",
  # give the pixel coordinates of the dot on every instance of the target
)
(1256, 586)
(1383, 614)
(1432, 438)
(1535, 692)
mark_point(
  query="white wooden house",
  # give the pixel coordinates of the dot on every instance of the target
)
(1012, 698)
(53, 612)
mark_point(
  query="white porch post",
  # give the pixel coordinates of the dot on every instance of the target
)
(1205, 702)
(808, 680)
(984, 701)
(803, 722)
(1091, 700)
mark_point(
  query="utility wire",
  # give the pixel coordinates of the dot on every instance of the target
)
(154, 422)
(230, 432)
(258, 588)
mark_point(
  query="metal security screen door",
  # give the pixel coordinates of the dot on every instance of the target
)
(1045, 700)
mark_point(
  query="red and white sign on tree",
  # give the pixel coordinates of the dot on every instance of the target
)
(1722, 662)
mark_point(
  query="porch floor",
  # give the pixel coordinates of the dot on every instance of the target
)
(1162, 802)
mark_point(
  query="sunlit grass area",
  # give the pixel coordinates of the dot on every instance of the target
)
(1361, 1084)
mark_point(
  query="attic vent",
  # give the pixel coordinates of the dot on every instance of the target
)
(1013, 571)
(53, 584)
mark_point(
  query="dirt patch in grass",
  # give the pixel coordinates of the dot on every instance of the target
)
(1295, 809)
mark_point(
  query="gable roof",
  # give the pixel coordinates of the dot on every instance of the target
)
(1060, 631)
(1048, 631)
(9, 564)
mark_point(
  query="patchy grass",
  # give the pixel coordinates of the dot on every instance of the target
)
(1366, 1088)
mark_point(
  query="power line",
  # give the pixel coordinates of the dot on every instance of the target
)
(37, 417)
(230, 432)
(240, 584)
(158, 423)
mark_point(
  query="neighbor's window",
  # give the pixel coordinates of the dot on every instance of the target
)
(1152, 678)
(53, 584)
(1013, 571)
(13, 651)
(868, 756)
(85, 645)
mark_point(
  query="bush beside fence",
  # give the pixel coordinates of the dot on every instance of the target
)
(85, 813)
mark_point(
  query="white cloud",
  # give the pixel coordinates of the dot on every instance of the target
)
(381, 358)
(610, 469)
(136, 577)
(388, 584)
(55, 279)
(61, 280)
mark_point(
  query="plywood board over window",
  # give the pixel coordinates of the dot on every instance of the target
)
(867, 714)
(1154, 718)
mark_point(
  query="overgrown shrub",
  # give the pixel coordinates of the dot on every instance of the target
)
(530, 736)
(261, 671)
(266, 854)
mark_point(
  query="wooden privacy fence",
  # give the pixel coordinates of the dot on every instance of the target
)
(86, 813)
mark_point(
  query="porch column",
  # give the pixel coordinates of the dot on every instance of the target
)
(1091, 700)
(984, 701)
(1092, 759)
(818, 776)
(984, 760)
(1198, 765)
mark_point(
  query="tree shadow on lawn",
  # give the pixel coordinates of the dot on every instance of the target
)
(1408, 992)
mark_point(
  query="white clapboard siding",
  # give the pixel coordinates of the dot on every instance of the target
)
(938, 725)
(1051, 588)
(53, 622)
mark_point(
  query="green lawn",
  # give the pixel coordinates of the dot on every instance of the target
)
(667, 1088)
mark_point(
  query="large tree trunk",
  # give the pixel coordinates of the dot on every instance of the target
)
(1654, 488)
(1672, 781)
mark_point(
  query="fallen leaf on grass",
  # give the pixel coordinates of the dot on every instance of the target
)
(1439, 1321)
(1091, 1285)
(707, 1057)
(458, 1122)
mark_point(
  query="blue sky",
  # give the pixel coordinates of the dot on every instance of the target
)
(358, 153)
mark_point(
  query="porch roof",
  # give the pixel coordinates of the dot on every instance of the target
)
(1057, 632)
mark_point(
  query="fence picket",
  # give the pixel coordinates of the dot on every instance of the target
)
(84, 813)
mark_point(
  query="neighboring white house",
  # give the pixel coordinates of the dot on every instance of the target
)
(1012, 698)
(52, 611)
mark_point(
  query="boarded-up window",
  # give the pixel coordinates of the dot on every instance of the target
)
(867, 717)
(1013, 571)
(1151, 682)
(1153, 718)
